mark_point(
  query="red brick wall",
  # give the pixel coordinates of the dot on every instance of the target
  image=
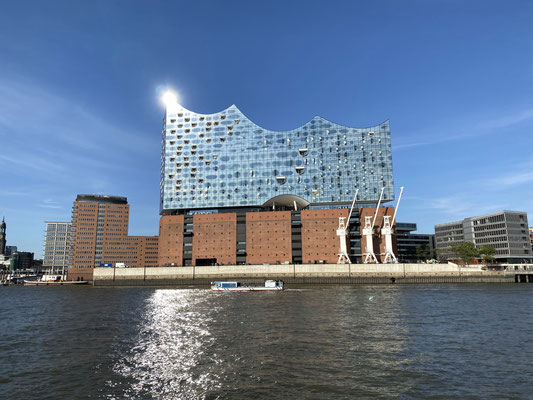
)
(320, 242)
(116, 220)
(80, 274)
(215, 236)
(148, 251)
(379, 242)
(170, 246)
(123, 250)
(115, 228)
(268, 237)
(86, 216)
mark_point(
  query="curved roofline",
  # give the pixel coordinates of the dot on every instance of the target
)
(288, 197)
(287, 130)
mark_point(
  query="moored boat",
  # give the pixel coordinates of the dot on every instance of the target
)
(52, 280)
(236, 286)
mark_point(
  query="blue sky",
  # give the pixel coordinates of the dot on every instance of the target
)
(80, 85)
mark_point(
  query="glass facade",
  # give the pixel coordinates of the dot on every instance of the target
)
(225, 160)
(56, 245)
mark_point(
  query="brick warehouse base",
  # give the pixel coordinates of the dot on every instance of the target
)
(259, 237)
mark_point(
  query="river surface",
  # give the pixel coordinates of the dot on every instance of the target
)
(335, 342)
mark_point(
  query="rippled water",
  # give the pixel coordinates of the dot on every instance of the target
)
(397, 341)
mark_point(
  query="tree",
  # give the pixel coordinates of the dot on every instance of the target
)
(487, 253)
(423, 252)
(439, 255)
(466, 251)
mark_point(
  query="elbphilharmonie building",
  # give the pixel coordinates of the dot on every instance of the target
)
(233, 192)
(224, 160)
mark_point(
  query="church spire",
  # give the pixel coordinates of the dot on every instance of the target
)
(3, 236)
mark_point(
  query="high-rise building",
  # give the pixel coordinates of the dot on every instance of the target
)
(56, 246)
(505, 231)
(96, 219)
(99, 237)
(234, 192)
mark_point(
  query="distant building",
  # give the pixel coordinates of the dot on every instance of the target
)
(37, 265)
(505, 231)
(56, 246)
(408, 242)
(99, 237)
(21, 260)
(3, 237)
(10, 250)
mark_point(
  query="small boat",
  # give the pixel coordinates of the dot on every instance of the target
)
(52, 280)
(235, 286)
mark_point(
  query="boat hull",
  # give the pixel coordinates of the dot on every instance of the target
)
(247, 289)
(236, 286)
(64, 283)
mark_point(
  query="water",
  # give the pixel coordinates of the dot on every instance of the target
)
(337, 342)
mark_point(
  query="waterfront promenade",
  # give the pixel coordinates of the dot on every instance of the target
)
(311, 274)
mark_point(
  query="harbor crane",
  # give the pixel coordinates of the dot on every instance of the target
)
(342, 233)
(368, 233)
(387, 231)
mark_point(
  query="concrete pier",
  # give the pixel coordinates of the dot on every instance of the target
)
(308, 274)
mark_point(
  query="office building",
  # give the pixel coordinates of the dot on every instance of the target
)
(21, 261)
(505, 231)
(56, 246)
(409, 242)
(232, 192)
(99, 237)
(10, 250)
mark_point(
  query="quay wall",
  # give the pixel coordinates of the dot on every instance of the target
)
(302, 274)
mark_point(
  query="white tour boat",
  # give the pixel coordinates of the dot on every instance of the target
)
(52, 280)
(235, 286)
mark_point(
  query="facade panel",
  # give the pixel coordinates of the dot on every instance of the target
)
(268, 237)
(56, 246)
(213, 161)
(214, 239)
(320, 243)
(171, 240)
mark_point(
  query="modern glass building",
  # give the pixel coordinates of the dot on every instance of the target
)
(225, 161)
(56, 246)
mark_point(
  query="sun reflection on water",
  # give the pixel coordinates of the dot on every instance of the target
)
(171, 356)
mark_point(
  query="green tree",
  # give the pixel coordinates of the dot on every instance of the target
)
(466, 251)
(438, 254)
(423, 252)
(487, 253)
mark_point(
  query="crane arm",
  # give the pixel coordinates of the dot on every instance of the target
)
(397, 205)
(377, 207)
(351, 209)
